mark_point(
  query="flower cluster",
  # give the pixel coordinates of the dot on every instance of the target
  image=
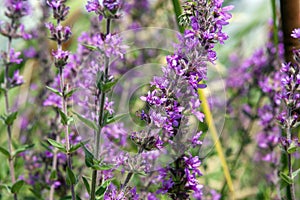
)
(59, 33)
(289, 94)
(15, 10)
(108, 8)
(175, 98)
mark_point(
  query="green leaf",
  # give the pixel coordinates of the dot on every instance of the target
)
(86, 184)
(178, 12)
(55, 91)
(9, 119)
(90, 47)
(89, 157)
(64, 118)
(86, 121)
(102, 189)
(70, 93)
(107, 86)
(53, 175)
(295, 173)
(36, 193)
(71, 178)
(286, 178)
(74, 148)
(103, 167)
(57, 145)
(292, 148)
(17, 186)
(5, 152)
(2, 89)
(114, 119)
(22, 149)
(78, 197)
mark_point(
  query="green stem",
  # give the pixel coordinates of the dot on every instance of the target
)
(290, 167)
(178, 12)
(9, 127)
(100, 120)
(275, 27)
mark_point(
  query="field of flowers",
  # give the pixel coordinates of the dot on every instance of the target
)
(149, 99)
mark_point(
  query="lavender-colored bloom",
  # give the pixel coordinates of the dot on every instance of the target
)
(111, 45)
(60, 10)
(59, 33)
(93, 6)
(13, 57)
(30, 52)
(112, 5)
(16, 8)
(16, 80)
(296, 33)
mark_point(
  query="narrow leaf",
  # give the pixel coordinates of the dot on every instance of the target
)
(74, 148)
(22, 149)
(86, 121)
(57, 145)
(71, 178)
(107, 86)
(17, 186)
(102, 189)
(53, 175)
(292, 148)
(5, 152)
(64, 117)
(11, 118)
(295, 173)
(286, 178)
(114, 119)
(86, 184)
(89, 157)
(70, 93)
(55, 91)
(90, 47)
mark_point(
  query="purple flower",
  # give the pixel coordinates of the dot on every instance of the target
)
(16, 8)
(14, 57)
(93, 6)
(17, 79)
(296, 33)
(61, 57)
(30, 52)
(166, 185)
(112, 5)
(59, 33)
(60, 10)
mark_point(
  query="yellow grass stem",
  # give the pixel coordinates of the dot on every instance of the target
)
(212, 129)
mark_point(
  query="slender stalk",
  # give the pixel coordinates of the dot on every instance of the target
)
(214, 133)
(290, 167)
(64, 90)
(7, 108)
(54, 164)
(100, 119)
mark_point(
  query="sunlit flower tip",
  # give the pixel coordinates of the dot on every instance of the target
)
(296, 33)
